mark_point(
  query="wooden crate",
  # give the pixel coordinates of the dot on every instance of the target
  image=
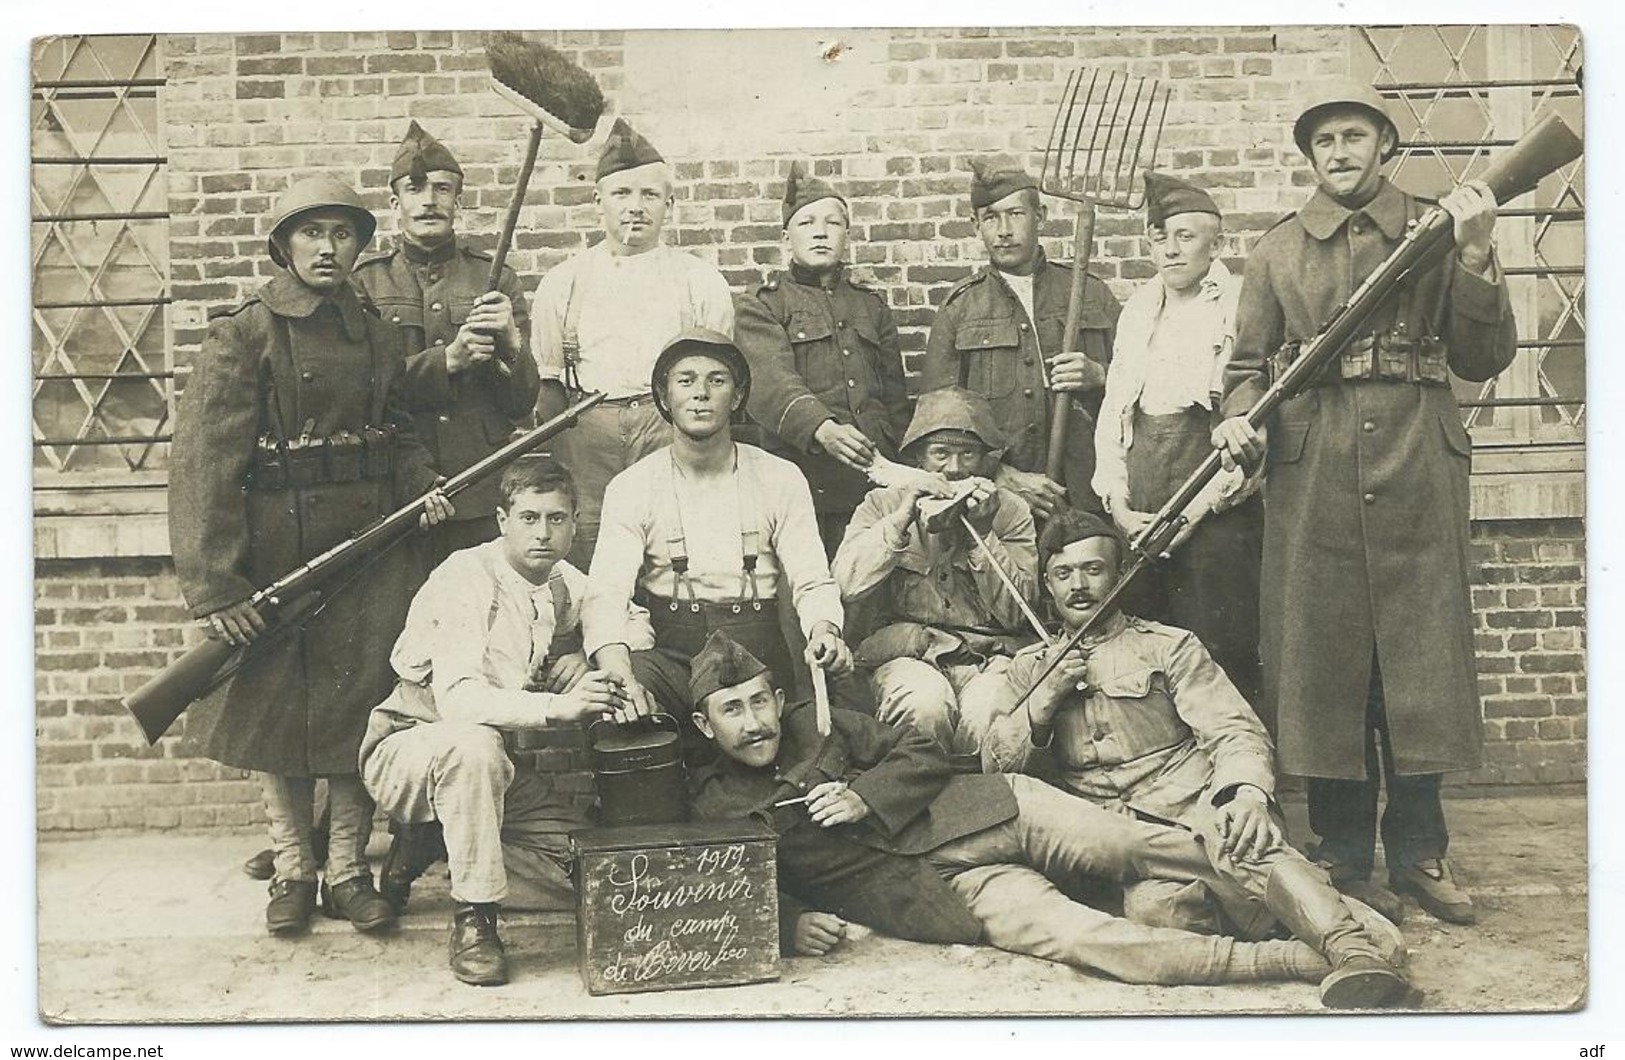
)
(670, 906)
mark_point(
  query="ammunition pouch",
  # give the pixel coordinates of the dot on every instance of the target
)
(347, 456)
(1384, 357)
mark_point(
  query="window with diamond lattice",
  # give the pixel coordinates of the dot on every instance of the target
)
(1458, 94)
(102, 392)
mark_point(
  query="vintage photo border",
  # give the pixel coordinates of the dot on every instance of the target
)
(1605, 47)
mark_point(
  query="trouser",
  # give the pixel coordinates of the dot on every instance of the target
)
(1005, 875)
(606, 440)
(290, 806)
(1344, 812)
(953, 703)
(506, 830)
(1210, 583)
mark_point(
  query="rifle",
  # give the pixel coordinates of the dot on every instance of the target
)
(1548, 145)
(156, 704)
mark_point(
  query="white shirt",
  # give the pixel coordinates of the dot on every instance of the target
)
(478, 632)
(1022, 286)
(1167, 356)
(627, 307)
(651, 503)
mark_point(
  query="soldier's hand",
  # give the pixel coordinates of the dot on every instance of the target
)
(597, 695)
(982, 505)
(492, 315)
(437, 508)
(818, 933)
(1042, 493)
(468, 348)
(1247, 829)
(1074, 371)
(562, 673)
(827, 651)
(845, 443)
(1129, 521)
(1472, 208)
(832, 803)
(237, 623)
(1068, 678)
(1239, 443)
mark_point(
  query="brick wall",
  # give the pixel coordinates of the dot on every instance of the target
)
(103, 627)
(895, 122)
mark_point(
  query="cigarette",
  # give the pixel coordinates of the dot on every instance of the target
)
(792, 802)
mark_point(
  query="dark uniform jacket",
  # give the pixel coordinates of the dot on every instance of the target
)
(868, 871)
(816, 353)
(464, 417)
(284, 362)
(982, 340)
(1366, 494)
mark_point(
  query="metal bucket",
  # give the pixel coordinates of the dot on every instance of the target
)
(638, 771)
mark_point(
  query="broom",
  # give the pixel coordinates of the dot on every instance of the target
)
(555, 92)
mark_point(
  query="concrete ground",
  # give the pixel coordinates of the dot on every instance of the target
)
(165, 928)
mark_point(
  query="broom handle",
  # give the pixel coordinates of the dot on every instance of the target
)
(500, 258)
(1083, 239)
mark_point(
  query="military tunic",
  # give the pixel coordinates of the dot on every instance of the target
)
(284, 362)
(461, 418)
(822, 351)
(1366, 532)
(983, 340)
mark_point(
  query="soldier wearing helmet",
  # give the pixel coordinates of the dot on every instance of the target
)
(1366, 621)
(291, 436)
(947, 620)
(701, 533)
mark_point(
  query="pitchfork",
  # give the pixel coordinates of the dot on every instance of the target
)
(1115, 131)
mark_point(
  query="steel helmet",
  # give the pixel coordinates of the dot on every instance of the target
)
(707, 343)
(1343, 92)
(316, 193)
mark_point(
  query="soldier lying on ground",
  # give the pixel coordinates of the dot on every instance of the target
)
(878, 830)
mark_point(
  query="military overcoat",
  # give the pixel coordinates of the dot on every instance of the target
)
(1366, 532)
(819, 351)
(981, 339)
(287, 361)
(460, 418)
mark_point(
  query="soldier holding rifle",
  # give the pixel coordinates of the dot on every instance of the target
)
(292, 435)
(1366, 633)
(469, 377)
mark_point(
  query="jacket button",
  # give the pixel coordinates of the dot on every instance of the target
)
(1028, 391)
(439, 342)
(445, 419)
(433, 276)
(1099, 734)
(846, 353)
(850, 383)
(840, 323)
(1368, 426)
(1371, 498)
(801, 334)
(1024, 326)
(307, 376)
(395, 320)
(436, 307)
(1029, 362)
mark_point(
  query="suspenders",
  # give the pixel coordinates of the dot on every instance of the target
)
(749, 548)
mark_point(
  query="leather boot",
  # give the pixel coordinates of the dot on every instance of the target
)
(261, 866)
(358, 902)
(477, 954)
(1302, 897)
(412, 849)
(291, 905)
